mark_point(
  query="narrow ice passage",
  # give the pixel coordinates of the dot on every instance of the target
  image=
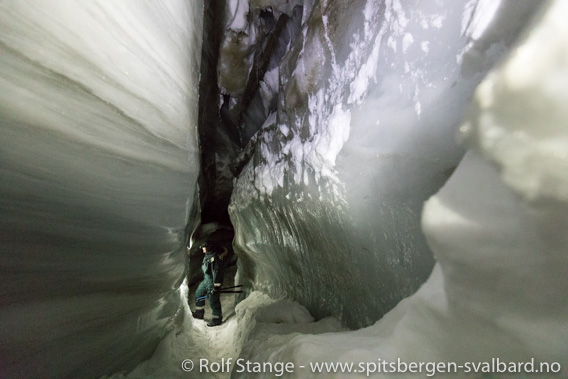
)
(389, 176)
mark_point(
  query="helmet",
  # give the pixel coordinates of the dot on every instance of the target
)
(208, 244)
(211, 247)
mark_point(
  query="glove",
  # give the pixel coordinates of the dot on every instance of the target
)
(215, 289)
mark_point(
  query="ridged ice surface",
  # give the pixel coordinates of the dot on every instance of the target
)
(99, 161)
(98, 167)
(497, 229)
(371, 94)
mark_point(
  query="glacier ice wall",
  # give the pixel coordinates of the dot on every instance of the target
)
(327, 210)
(245, 41)
(98, 168)
(497, 229)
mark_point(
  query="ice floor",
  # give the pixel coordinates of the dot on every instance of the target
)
(100, 161)
(257, 318)
(194, 340)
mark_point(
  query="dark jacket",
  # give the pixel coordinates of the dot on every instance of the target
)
(212, 267)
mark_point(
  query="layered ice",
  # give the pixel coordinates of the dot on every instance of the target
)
(497, 290)
(98, 167)
(99, 162)
(327, 210)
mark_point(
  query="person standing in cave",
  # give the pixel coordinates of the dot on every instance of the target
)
(212, 268)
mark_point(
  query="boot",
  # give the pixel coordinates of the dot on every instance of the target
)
(215, 321)
(198, 314)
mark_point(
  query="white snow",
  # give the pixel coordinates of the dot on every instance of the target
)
(479, 16)
(407, 40)
(269, 86)
(258, 317)
(237, 15)
(497, 229)
(327, 144)
(355, 177)
(438, 20)
(532, 151)
(99, 161)
(418, 108)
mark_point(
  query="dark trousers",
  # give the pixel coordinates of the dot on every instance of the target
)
(203, 289)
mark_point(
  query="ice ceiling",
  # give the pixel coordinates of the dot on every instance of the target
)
(395, 172)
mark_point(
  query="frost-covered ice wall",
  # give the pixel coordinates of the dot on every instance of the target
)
(498, 232)
(98, 167)
(370, 96)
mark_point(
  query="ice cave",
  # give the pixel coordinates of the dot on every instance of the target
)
(389, 178)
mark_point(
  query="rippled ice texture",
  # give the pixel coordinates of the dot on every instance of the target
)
(98, 167)
(370, 98)
(498, 231)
